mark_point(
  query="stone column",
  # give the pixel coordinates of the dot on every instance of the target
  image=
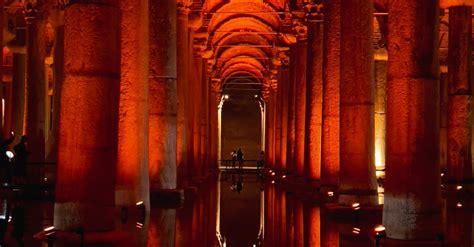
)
(357, 170)
(195, 98)
(380, 112)
(314, 93)
(35, 80)
(18, 92)
(205, 122)
(269, 97)
(182, 67)
(412, 208)
(300, 96)
(460, 95)
(57, 20)
(331, 81)
(162, 96)
(284, 85)
(132, 164)
(277, 119)
(290, 157)
(87, 151)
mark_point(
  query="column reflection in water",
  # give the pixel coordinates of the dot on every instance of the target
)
(459, 221)
(161, 230)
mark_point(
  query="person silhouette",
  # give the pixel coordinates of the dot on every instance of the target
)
(21, 152)
(234, 158)
(240, 158)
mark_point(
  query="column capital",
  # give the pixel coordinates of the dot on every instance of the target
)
(36, 9)
(300, 29)
(199, 46)
(314, 11)
(183, 7)
(453, 3)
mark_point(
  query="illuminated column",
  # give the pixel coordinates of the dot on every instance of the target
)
(277, 120)
(132, 164)
(87, 151)
(57, 21)
(331, 81)
(300, 95)
(183, 10)
(460, 95)
(380, 105)
(284, 85)
(214, 97)
(314, 93)
(443, 119)
(290, 157)
(412, 186)
(18, 92)
(35, 80)
(357, 169)
(195, 97)
(269, 97)
(205, 122)
(162, 95)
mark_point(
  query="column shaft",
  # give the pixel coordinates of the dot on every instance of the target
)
(460, 94)
(162, 95)
(277, 141)
(18, 92)
(132, 163)
(300, 105)
(284, 83)
(331, 81)
(290, 158)
(87, 152)
(357, 170)
(412, 185)
(182, 88)
(196, 103)
(314, 98)
(35, 88)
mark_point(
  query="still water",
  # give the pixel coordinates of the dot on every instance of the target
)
(235, 209)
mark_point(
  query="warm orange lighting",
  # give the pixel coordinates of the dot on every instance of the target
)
(379, 228)
(442, 174)
(284, 176)
(226, 96)
(331, 194)
(459, 205)
(273, 173)
(139, 203)
(356, 230)
(273, 181)
(356, 206)
(459, 187)
(47, 229)
(139, 225)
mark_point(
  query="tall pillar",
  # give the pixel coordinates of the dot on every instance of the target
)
(182, 67)
(300, 96)
(57, 18)
(357, 169)
(35, 80)
(380, 111)
(270, 125)
(412, 208)
(205, 122)
(459, 95)
(195, 105)
(277, 119)
(331, 81)
(87, 151)
(284, 85)
(132, 170)
(314, 93)
(290, 157)
(162, 95)
(18, 92)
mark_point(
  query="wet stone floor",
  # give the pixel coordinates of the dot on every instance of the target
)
(238, 208)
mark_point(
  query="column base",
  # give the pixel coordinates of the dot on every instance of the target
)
(363, 197)
(69, 216)
(166, 197)
(388, 242)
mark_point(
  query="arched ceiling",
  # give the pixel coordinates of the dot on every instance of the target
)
(243, 38)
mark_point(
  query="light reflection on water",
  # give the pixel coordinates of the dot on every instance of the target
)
(239, 210)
